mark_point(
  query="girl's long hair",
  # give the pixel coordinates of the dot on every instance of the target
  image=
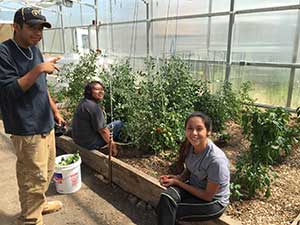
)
(183, 151)
(186, 145)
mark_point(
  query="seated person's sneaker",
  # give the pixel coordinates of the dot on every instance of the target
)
(52, 206)
(104, 147)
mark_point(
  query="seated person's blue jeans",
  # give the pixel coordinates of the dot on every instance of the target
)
(116, 126)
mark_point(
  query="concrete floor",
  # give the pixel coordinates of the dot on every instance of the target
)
(95, 203)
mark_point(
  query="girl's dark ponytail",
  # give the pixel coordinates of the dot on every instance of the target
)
(183, 151)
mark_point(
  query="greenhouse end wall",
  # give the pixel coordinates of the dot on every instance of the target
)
(260, 45)
(264, 35)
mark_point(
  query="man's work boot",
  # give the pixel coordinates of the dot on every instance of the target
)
(52, 206)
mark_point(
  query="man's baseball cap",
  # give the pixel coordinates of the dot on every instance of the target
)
(31, 16)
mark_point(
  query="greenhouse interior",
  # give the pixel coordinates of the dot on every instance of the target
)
(232, 66)
(222, 40)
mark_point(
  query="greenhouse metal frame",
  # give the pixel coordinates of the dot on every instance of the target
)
(149, 21)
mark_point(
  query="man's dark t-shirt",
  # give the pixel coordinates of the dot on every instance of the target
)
(88, 119)
(29, 112)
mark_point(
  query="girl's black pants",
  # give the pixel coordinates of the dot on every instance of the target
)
(176, 204)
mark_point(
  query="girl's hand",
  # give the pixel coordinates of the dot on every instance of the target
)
(162, 179)
(168, 180)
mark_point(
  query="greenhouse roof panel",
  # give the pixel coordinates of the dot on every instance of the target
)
(40, 3)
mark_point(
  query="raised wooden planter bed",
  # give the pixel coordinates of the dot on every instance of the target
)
(127, 177)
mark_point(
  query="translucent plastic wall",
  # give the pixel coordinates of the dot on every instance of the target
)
(260, 45)
(123, 39)
(52, 41)
(265, 37)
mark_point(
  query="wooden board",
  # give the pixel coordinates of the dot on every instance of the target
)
(223, 220)
(297, 220)
(127, 177)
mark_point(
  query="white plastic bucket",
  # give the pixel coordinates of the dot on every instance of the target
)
(67, 178)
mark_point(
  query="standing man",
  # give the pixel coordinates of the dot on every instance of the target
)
(29, 112)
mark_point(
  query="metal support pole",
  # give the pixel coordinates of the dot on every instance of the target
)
(294, 60)
(229, 41)
(81, 19)
(74, 38)
(90, 35)
(43, 44)
(109, 158)
(62, 28)
(96, 23)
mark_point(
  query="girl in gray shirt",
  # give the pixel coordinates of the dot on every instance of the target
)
(201, 192)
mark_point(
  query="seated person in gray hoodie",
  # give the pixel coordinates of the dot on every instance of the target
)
(89, 128)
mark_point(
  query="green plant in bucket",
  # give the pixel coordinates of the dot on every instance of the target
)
(69, 160)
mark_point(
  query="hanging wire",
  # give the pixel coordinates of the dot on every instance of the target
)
(111, 96)
(111, 26)
(55, 31)
(135, 36)
(166, 29)
(174, 40)
(176, 26)
(134, 33)
(207, 70)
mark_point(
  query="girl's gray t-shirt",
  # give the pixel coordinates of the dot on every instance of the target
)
(212, 165)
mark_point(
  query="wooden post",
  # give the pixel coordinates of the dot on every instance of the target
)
(109, 157)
